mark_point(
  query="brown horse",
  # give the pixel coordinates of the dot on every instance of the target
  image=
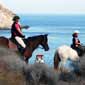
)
(31, 42)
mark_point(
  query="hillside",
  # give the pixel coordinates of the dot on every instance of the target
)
(5, 16)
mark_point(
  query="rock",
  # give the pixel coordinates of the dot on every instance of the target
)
(10, 68)
(5, 17)
(40, 74)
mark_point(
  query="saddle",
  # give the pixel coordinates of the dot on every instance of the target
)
(14, 45)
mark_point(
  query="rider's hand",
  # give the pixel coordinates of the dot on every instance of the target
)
(23, 36)
(26, 27)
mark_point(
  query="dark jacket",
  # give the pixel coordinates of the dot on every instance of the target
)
(74, 40)
(14, 31)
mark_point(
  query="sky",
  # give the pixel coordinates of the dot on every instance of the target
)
(46, 6)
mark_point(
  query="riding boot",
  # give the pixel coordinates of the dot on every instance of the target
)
(21, 50)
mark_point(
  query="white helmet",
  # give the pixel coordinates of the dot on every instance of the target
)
(76, 31)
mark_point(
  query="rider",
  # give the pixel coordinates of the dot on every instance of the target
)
(75, 40)
(16, 32)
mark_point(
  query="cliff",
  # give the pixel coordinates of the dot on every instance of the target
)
(5, 17)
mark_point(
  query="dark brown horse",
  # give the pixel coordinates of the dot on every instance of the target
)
(31, 42)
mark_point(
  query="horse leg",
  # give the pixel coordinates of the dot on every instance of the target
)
(27, 54)
(26, 60)
(56, 61)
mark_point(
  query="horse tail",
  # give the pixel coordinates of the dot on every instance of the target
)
(56, 60)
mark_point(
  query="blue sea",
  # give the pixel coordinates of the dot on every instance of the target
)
(58, 27)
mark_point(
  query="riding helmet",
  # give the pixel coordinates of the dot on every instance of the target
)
(16, 17)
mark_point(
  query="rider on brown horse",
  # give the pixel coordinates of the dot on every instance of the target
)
(16, 33)
(26, 46)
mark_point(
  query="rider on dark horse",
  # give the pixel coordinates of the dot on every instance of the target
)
(26, 46)
(17, 34)
(75, 41)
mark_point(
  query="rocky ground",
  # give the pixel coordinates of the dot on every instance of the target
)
(13, 71)
(10, 73)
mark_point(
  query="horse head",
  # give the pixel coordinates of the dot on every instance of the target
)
(33, 43)
(44, 42)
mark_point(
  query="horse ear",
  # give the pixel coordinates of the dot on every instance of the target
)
(46, 34)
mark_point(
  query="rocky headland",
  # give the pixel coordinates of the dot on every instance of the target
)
(6, 16)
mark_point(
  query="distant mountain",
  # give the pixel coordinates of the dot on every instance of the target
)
(5, 16)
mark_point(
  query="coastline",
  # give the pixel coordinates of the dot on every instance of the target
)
(5, 28)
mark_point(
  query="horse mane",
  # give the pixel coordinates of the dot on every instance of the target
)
(34, 37)
(2, 37)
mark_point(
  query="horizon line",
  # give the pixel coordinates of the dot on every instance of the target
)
(50, 14)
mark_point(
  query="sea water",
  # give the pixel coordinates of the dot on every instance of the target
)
(58, 27)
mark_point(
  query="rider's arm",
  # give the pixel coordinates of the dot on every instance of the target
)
(23, 26)
(77, 43)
